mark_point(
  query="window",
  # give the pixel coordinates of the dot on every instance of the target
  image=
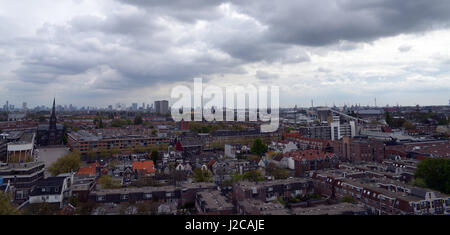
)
(254, 190)
(100, 198)
(19, 195)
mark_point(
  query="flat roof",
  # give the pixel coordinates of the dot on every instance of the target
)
(265, 208)
(336, 209)
(153, 189)
(273, 182)
(214, 200)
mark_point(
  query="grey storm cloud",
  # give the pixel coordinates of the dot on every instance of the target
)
(265, 75)
(183, 10)
(158, 42)
(322, 22)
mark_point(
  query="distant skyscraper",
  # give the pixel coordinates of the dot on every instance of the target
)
(162, 107)
(24, 105)
(134, 106)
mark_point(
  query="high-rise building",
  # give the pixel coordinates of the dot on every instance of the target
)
(134, 106)
(162, 107)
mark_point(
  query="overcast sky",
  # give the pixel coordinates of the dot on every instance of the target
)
(332, 51)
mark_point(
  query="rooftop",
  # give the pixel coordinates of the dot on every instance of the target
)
(213, 200)
(112, 133)
(264, 208)
(19, 137)
(273, 182)
(336, 209)
(147, 166)
(308, 155)
(153, 189)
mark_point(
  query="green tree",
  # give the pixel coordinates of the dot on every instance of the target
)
(408, 125)
(112, 164)
(99, 123)
(105, 154)
(139, 149)
(419, 182)
(235, 177)
(388, 118)
(154, 155)
(117, 123)
(258, 147)
(43, 208)
(253, 175)
(347, 199)
(68, 163)
(5, 205)
(202, 175)
(91, 155)
(138, 120)
(85, 208)
(73, 200)
(436, 173)
(115, 150)
(107, 182)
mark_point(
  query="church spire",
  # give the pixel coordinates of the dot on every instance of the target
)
(53, 109)
(53, 116)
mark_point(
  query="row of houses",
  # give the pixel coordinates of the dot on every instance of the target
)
(381, 196)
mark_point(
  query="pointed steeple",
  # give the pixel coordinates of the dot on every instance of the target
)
(53, 117)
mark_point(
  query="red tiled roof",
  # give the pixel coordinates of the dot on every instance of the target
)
(90, 170)
(94, 164)
(147, 166)
(278, 157)
(386, 129)
(211, 163)
(87, 171)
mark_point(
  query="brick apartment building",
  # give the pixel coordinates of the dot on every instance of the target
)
(307, 160)
(108, 139)
(359, 149)
(305, 143)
